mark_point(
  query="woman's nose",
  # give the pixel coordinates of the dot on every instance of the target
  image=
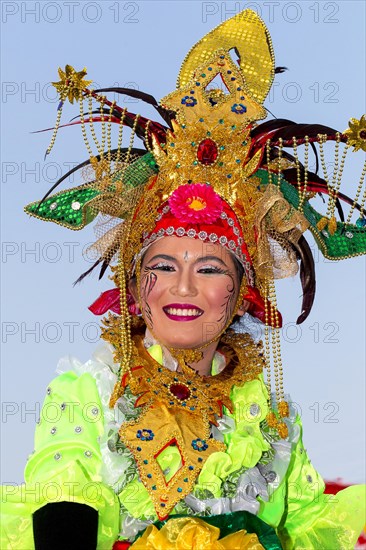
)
(184, 285)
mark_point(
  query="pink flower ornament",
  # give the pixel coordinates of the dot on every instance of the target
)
(196, 203)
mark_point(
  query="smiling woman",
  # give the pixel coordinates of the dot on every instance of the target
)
(186, 280)
(171, 437)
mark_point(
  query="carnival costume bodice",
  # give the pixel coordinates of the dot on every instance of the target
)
(84, 453)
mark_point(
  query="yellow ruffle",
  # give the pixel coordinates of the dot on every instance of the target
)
(194, 534)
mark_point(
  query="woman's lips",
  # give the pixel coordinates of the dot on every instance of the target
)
(182, 312)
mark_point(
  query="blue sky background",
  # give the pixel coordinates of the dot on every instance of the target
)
(142, 44)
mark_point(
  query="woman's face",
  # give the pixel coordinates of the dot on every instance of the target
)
(188, 291)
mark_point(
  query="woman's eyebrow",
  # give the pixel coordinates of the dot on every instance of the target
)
(163, 257)
(210, 259)
(198, 260)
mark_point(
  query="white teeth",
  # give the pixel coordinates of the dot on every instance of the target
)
(183, 312)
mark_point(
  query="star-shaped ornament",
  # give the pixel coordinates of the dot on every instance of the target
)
(71, 83)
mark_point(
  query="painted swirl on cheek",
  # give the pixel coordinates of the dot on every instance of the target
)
(148, 282)
(229, 303)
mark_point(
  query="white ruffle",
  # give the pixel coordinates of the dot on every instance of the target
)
(104, 370)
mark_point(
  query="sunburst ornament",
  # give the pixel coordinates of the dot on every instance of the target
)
(71, 83)
(356, 133)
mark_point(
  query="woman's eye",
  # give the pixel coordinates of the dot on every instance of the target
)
(210, 269)
(162, 267)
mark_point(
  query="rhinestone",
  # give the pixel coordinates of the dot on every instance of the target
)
(325, 233)
(78, 429)
(180, 231)
(223, 240)
(254, 409)
(161, 232)
(230, 221)
(53, 205)
(223, 215)
(202, 235)
(309, 478)
(207, 152)
(180, 391)
(57, 456)
(63, 406)
(53, 430)
(170, 230)
(95, 411)
(349, 235)
(76, 205)
(166, 209)
(48, 391)
(271, 477)
(111, 446)
(213, 237)
(232, 245)
(88, 454)
(191, 233)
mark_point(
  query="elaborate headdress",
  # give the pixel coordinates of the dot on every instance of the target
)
(210, 171)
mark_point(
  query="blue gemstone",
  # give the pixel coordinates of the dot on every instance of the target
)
(361, 222)
(179, 489)
(139, 448)
(149, 476)
(146, 462)
(190, 467)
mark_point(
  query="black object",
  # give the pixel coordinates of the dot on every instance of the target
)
(65, 526)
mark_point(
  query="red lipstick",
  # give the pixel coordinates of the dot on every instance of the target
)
(182, 312)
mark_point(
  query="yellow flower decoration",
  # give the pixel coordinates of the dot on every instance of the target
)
(356, 133)
(71, 83)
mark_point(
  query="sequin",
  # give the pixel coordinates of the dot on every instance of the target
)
(254, 409)
(57, 456)
(78, 429)
(271, 476)
(88, 454)
(53, 430)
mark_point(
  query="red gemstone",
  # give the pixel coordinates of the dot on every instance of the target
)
(207, 151)
(363, 134)
(180, 391)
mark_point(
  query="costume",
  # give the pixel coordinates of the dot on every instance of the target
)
(220, 453)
